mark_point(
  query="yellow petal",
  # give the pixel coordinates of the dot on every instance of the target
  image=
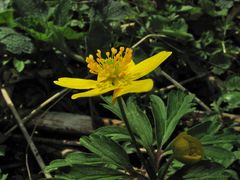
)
(135, 87)
(93, 92)
(76, 83)
(146, 66)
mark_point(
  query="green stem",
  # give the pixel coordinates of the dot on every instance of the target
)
(164, 171)
(151, 173)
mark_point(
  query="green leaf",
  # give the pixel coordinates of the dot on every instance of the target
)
(74, 158)
(193, 11)
(178, 105)
(82, 158)
(139, 123)
(4, 4)
(178, 29)
(204, 170)
(200, 129)
(207, 127)
(223, 138)
(178, 34)
(70, 34)
(55, 164)
(114, 132)
(219, 155)
(6, 17)
(237, 154)
(231, 99)
(2, 150)
(110, 151)
(19, 65)
(92, 172)
(159, 112)
(3, 176)
(26, 8)
(118, 11)
(114, 108)
(232, 83)
(15, 42)
(62, 12)
(222, 62)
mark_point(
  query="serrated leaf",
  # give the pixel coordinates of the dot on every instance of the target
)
(139, 123)
(110, 151)
(15, 42)
(159, 112)
(178, 105)
(215, 154)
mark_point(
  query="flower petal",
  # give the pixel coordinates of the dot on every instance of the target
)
(146, 66)
(93, 92)
(76, 83)
(135, 87)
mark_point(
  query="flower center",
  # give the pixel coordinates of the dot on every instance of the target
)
(113, 67)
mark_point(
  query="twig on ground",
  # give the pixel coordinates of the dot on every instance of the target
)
(234, 117)
(179, 86)
(24, 131)
(27, 166)
(37, 110)
(183, 82)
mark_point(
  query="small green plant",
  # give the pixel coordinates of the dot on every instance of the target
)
(154, 139)
(163, 153)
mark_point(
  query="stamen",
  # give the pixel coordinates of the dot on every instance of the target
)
(113, 66)
(107, 54)
(114, 51)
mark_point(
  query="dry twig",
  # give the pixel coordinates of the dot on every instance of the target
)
(24, 131)
(38, 109)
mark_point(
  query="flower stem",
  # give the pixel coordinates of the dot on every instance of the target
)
(165, 168)
(150, 172)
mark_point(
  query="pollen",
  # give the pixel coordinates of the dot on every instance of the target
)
(111, 67)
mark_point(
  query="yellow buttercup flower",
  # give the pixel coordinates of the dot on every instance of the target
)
(187, 149)
(117, 72)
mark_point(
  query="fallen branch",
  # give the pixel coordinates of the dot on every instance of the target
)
(24, 131)
(37, 110)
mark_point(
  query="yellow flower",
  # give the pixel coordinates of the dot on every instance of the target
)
(117, 72)
(187, 149)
